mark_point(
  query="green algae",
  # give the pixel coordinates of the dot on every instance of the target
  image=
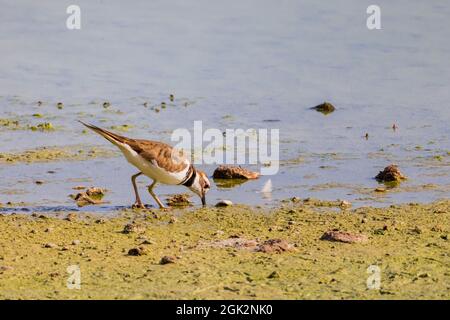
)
(411, 252)
(47, 154)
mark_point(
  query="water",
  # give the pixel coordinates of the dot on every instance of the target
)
(237, 65)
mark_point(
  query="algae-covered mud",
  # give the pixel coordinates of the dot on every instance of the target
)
(229, 253)
(366, 178)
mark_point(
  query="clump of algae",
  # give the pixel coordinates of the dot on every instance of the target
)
(47, 154)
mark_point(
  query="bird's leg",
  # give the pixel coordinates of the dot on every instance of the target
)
(138, 203)
(150, 190)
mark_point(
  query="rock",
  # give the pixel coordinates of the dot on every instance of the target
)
(343, 237)
(134, 228)
(138, 251)
(224, 203)
(179, 200)
(39, 182)
(49, 229)
(274, 275)
(389, 174)
(234, 172)
(274, 246)
(76, 242)
(50, 245)
(167, 260)
(325, 108)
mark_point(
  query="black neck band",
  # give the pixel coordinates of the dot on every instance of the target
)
(191, 179)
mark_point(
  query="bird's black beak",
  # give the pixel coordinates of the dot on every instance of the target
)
(204, 200)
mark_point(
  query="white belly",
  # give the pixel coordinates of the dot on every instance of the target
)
(152, 170)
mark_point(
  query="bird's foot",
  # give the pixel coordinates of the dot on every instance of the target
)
(138, 205)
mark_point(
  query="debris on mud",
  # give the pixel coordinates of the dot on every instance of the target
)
(268, 246)
(45, 126)
(94, 192)
(324, 108)
(224, 203)
(167, 260)
(390, 174)
(138, 251)
(90, 196)
(71, 217)
(83, 199)
(133, 228)
(233, 172)
(232, 242)
(343, 204)
(179, 200)
(345, 237)
(275, 246)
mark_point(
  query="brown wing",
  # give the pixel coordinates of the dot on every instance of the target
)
(163, 154)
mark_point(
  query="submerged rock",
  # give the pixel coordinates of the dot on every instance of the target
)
(390, 174)
(233, 172)
(345, 237)
(325, 108)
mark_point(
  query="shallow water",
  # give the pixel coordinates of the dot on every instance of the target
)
(236, 66)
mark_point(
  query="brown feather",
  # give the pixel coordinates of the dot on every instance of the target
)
(153, 151)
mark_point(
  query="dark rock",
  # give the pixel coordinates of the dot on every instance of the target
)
(234, 172)
(390, 174)
(325, 108)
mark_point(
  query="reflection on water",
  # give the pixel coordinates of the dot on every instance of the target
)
(253, 64)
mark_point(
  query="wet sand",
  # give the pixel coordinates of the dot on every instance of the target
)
(409, 243)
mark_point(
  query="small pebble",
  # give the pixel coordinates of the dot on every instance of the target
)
(224, 203)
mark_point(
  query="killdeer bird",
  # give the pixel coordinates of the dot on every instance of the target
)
(158, 161)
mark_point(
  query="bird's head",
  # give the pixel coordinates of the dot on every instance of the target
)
(201, 185)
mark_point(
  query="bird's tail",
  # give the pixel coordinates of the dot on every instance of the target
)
(111, 137)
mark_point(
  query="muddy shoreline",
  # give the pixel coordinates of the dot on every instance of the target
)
(208, 253)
